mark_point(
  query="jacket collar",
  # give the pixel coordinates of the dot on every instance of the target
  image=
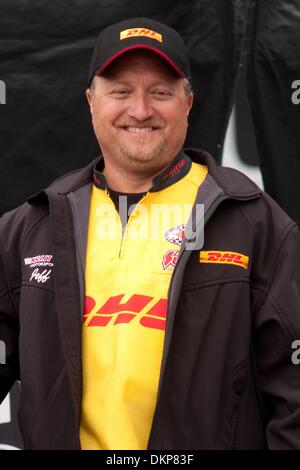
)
(174, 171)
(235, 184)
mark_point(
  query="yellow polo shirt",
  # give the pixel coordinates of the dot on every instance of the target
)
(127, 280)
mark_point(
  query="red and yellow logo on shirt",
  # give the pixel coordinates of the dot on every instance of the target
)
(116, 311)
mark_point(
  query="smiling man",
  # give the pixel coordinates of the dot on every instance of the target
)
(139, 108)
(139, 99)
(125, 331)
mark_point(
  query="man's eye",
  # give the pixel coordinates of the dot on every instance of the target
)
(161, 93)
(120, 92)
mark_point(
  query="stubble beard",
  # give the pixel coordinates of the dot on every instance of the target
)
(142, 155)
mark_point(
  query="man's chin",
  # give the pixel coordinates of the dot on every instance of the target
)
(141, 155)
(140, 158)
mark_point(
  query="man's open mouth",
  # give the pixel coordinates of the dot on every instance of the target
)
(139, 129)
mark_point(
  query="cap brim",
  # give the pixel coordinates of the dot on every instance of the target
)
(141, 46)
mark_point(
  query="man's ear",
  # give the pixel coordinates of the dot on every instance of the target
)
(89, 96)
(190, 101)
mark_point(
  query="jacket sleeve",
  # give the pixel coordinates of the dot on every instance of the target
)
(9, 369)
(277, 337)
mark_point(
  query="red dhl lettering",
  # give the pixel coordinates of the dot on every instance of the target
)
(132, 32)
(224, 257)
(116, 312)
(89, 304)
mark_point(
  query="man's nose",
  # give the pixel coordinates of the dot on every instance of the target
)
(140, 107)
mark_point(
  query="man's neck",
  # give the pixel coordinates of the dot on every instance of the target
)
(126, 183)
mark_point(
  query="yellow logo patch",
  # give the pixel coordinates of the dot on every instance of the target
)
(133, 32)
(224, 257)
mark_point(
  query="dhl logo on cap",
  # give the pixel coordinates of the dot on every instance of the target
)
(133, 32)
(224, 257)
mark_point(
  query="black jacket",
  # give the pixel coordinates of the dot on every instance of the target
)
(227, 377)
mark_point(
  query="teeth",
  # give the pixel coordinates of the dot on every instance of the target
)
(139, 129)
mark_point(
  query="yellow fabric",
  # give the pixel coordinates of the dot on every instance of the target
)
(121, 360)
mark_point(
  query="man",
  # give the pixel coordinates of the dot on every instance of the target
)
(125, 331)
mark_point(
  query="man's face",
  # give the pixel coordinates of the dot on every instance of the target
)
(139, 112)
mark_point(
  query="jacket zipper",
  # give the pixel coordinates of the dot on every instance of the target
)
(210, 211)
(235, 424)
(236, 406)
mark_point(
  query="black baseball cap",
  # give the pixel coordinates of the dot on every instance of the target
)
(136, 33)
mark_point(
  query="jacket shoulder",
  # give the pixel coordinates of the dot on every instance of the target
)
(74, 179)
(232, 181)
(18, 221)
(238, 181)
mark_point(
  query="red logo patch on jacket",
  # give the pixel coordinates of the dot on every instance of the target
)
(224, 257)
